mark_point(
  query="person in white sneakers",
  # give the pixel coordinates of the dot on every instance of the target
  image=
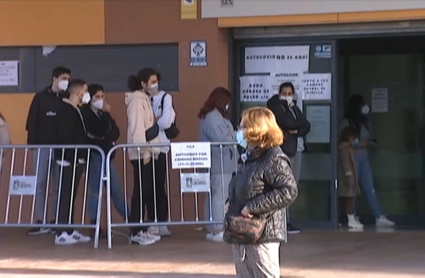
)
(70, 130)
(215, 126)
(348, 186)
(357, 117)
(165, 116)
(141, 129)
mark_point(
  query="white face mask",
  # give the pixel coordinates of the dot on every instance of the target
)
(98, 104)
(86, 98)
(63, 85)
(365, 109)
(152, 89)
(289, 99)
(227, 107)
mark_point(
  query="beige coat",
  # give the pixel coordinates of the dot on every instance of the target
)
(348, 185)
(4, 133)
(140, 118)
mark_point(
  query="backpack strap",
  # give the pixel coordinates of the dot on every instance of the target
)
(162, 103)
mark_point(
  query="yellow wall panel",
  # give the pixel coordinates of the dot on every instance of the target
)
(52, 22)
(14, 107)
(381, 16)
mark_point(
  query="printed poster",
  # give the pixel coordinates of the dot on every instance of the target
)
(277, 59)
(380, 100)
(255, 88)
(281, 77)
(9, 73)
(319, 117)
(316, 86)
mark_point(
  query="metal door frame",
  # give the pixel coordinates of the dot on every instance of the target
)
(236, 62)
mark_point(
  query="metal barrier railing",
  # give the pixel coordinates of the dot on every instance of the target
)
(55, 168)
(198, 164)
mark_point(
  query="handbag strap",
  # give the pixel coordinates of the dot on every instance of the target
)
(162, 106)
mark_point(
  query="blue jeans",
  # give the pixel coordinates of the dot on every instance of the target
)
(93, 181)
(47, 167)
(365, 178)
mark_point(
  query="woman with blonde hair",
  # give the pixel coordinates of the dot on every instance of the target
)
(259, 194)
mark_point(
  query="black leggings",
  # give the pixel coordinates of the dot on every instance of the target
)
(143, 192)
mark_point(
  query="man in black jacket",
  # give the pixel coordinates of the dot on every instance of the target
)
(295, 128)
(41, 118)
(70, 130)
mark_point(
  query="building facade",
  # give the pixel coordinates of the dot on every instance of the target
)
(373, 48)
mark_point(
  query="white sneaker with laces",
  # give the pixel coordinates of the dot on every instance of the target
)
(80, 237)
(153, 237)
(217, 237)
(65, 239)
(142, 239)
(163, 231)
(384, 222)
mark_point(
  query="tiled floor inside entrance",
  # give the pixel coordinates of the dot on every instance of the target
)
(310, 254)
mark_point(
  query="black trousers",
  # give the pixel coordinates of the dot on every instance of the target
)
(144, 192)
(68, 185)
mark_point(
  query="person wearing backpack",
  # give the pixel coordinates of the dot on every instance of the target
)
(165, 117)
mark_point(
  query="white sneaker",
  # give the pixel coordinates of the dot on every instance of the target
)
(65, 239)
(80, 237)
(163, 231)
(154, 230)
(142, 239)
(153, 237)
(354, 223)
(384, 222)
(217, 237)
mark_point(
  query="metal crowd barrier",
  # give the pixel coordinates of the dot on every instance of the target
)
(189, 178)
(33, 183)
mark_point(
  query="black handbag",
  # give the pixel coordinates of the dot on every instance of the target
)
(172, 132)
(245, 229)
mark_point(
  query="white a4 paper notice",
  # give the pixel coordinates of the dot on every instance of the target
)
(268, 59)
(255, 88)
(282, 77)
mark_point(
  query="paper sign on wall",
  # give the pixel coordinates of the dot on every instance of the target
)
(316, 86)
(281, 77)
(255, 88)
(277, 59)
(380, 100)
(319, 117)
(9, 73)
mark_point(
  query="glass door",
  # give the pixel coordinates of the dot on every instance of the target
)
(310, 66)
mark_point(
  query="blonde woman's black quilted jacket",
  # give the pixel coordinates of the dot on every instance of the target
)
(266, 186)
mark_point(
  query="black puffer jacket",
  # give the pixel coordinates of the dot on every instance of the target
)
(266, 186)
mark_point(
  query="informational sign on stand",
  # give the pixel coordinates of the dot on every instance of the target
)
(277, 59)
(190, 155)
(22, 185)
(194, 182)
(317, 86)
(9, 73)
(255, 88)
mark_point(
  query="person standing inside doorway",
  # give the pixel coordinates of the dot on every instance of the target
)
(71, 130)
(357, 117)
(165, 116)
(41, 118)
(295, 127)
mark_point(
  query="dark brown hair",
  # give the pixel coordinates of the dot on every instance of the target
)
(347, 133)
(218, 99)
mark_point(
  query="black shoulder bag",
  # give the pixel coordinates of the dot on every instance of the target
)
(172, 132)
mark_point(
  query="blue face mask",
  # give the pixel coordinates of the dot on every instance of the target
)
(241, 139)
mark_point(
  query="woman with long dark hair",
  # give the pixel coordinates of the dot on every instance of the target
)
(215, 126)
(357, 117)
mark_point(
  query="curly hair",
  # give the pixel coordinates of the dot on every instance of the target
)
(260, 128)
